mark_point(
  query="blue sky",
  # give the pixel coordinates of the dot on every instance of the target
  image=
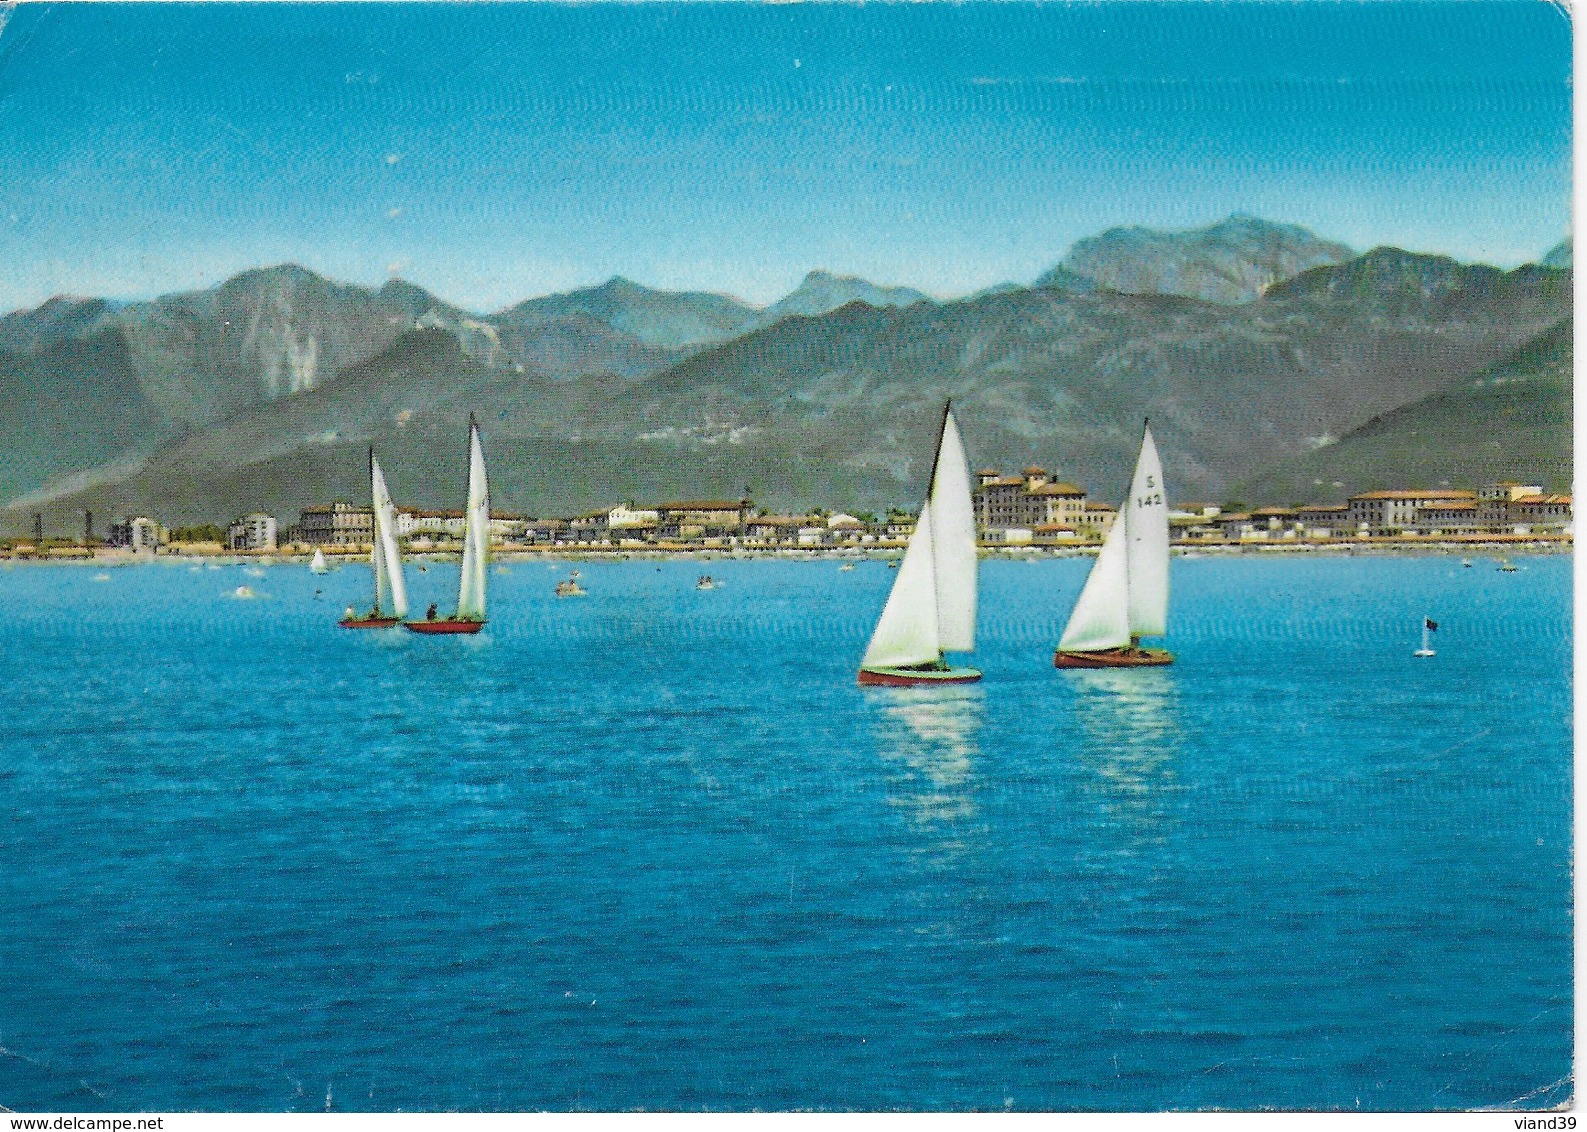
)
(493, 152)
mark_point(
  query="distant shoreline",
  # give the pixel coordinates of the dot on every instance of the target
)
(1492, 546)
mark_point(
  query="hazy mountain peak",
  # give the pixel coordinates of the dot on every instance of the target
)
(1560, 255)
(821, 291)
(56, 319)
(670, 320)
(1232, 261)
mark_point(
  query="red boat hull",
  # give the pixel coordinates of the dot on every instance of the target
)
(1113, 658)
(369, 622)
(436, 627)
(904, 678)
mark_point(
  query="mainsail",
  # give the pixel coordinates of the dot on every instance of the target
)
(476, 533)
(1126, 593)
(1147, 529)
(953, 541)
(387, 556)
(908, 633)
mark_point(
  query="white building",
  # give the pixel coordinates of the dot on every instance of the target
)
(141, 534)
(627, 516)
(252, 532)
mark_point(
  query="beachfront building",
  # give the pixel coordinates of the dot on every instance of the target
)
(140, 534)
(1323, 520)
(335, 524)
(1396, 510)
(1494, 499)
(547, 532)
(1532, 513)
(1028, 500)
(703, 518)
(413, 523)
(506, 526)
(591, 529)
(1098, 518)
(252, 532)
(774, 530)
(625, 516)
(1448, 517)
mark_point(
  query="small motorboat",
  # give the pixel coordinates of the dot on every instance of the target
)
(706, 582)
(1506, 567)
(1466, 562)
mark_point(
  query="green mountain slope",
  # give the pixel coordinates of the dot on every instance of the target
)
(1512, 421)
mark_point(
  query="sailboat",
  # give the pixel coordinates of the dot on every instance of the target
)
(1125, 596)
(470, 616)
(317, 566)
(931, 609)
(385, 560)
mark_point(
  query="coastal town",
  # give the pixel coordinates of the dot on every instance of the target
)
(1026, 512)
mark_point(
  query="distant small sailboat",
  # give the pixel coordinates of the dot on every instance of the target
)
(706, 582)
(1466, 562)
(845, 568)
(385, 560)
(470, 616)
(318, 566)
(569, 587)
(931, 609)
(1428, 626)
(1125, 596)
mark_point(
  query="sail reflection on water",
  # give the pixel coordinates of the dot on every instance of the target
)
(930, 741)
(1128, 742)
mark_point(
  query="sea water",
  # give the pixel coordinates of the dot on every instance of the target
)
(653, 848)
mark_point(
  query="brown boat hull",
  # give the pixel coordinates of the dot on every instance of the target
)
(1131, 657)
(907, 678)
(436, 628)
(369, 622)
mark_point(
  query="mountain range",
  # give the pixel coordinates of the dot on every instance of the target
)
(1252, 346)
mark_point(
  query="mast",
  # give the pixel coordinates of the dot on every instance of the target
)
(377, 564)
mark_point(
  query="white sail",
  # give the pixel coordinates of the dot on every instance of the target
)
(387, 556)
(906, 634)
(953, 542)
(1101, 617)
(318, 564)
(476, 534)
(377, 567)
(1147, 526)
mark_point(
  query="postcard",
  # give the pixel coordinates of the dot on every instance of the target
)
(786, 557)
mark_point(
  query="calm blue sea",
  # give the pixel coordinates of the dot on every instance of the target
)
(654, 849)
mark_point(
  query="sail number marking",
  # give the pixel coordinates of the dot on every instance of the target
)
(1155, 499)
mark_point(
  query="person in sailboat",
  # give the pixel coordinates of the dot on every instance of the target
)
(429, 614)
(349, 614)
